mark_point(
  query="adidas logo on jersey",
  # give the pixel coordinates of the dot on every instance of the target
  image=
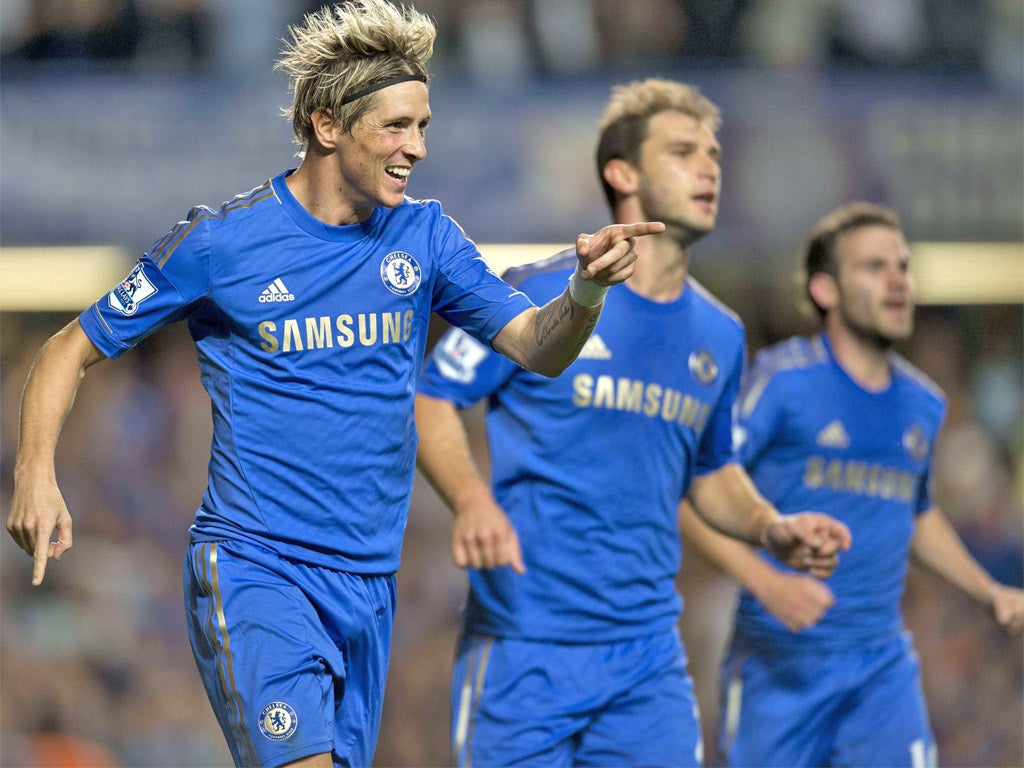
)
(833, 436)
(595, 349)
(276, 292)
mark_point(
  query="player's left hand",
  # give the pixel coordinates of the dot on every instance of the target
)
(808, 541)
(607, 256)
(1008, 608)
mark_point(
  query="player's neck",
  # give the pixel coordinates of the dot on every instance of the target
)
(661, 268)
(865, 360)
(315, 189)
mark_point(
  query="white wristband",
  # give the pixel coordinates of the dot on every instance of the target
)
(584, 292)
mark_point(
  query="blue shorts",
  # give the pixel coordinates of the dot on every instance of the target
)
(293, 657)
(847, 708)
(517, 702)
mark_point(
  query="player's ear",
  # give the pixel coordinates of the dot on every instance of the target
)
(325, 127)
(622, 176)
(824, 289)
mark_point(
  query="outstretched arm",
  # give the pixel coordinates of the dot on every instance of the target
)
(547, 340)
(482, 535)
(937, 548)
(37, 507)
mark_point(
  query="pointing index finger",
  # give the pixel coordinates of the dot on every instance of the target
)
(640, 228)
(39, 558)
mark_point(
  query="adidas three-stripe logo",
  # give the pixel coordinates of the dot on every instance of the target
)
(596, 349)
(833, 436)
(276, 292)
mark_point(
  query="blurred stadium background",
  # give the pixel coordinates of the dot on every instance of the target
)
(117, 116)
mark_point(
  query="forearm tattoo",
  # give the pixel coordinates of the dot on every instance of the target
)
(550, 317)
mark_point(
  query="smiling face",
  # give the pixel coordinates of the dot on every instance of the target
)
(871, 295)
(375, 159)
(680, 176)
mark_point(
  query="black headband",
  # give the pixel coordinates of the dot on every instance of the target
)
(349, 97)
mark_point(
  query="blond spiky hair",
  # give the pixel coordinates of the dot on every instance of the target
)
(623, 126)
(342, 49)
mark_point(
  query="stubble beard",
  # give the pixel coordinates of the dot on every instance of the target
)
(873, 336)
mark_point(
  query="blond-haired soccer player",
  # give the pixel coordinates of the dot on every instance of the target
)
(308, 299)
(570, 654)
(825, 674)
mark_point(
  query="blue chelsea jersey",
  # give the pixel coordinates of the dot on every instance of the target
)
(310, 339)
(814, 440)
(591, 466)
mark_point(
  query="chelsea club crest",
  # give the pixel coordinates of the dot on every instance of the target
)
(278, 721)
(915, 442)
(401, 273)
(703, 366)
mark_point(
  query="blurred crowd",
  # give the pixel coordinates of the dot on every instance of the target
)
(516, 39)
(95, 665)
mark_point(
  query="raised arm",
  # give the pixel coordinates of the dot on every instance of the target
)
(547, 340)
(482, 535)
(937, 548)
(37, 507)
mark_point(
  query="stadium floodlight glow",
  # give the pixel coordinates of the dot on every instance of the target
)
(968, 273)
(57, 279)
(69, 278)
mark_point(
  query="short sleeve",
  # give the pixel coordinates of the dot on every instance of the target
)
(462, 370)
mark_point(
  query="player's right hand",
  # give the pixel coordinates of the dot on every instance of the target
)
(39, 523)
(483, 537)
(808, 541)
